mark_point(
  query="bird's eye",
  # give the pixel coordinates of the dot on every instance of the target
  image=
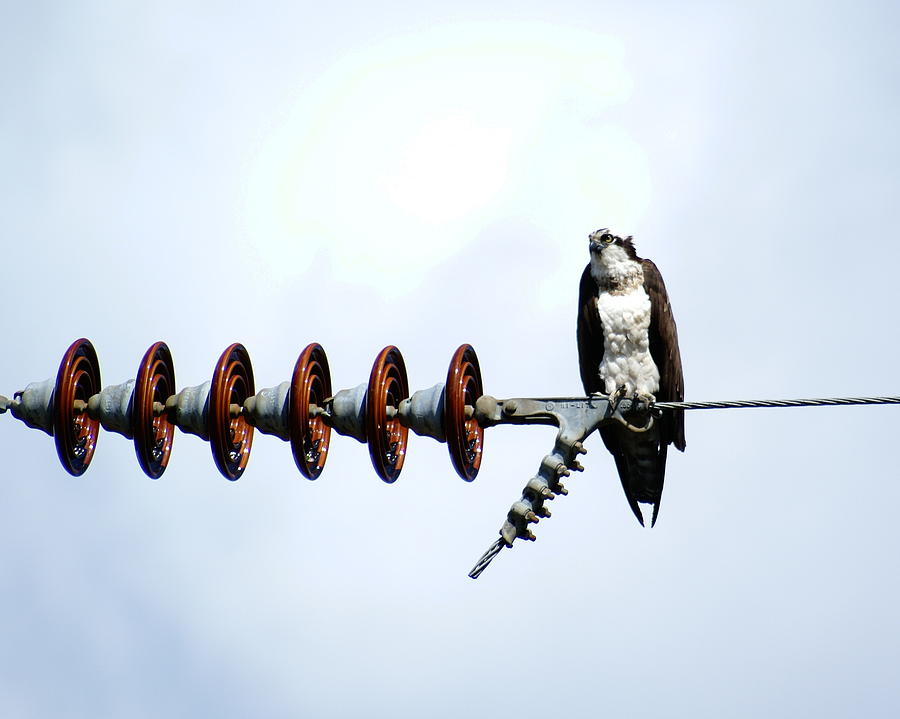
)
(606, 239)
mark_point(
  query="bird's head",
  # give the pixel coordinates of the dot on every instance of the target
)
(604, 238)
(612, 257)
(601, 239)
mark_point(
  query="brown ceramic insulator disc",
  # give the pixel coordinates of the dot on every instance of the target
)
(465, 437)
(75, 432)
(230, 437)
(153, 432)
(310, 386)
(386, 436)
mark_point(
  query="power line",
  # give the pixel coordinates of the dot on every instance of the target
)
(744, 404)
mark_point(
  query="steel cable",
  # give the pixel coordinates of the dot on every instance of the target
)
(742, 404)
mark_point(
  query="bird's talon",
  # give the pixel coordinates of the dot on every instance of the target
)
(617, 397)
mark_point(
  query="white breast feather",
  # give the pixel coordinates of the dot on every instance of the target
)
(625, 314)
(626, 342)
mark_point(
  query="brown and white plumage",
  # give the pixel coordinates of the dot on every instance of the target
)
(617, 285)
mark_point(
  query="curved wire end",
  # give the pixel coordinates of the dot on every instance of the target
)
(486, 558)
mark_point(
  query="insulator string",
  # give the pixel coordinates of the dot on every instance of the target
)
(744, 404)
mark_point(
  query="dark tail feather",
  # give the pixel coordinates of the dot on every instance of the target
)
(656, 508)
(641, 462)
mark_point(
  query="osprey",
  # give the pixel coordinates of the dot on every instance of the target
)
(628, 345)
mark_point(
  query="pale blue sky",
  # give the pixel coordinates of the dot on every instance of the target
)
(204, 175)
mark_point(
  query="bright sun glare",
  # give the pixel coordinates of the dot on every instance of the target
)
(401, 154)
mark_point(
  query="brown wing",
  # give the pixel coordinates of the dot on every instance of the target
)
(590, 334)
(664, 350)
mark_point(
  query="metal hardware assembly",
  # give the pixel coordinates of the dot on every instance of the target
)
(304, 411)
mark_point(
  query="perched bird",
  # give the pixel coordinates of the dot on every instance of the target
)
(628, 346)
